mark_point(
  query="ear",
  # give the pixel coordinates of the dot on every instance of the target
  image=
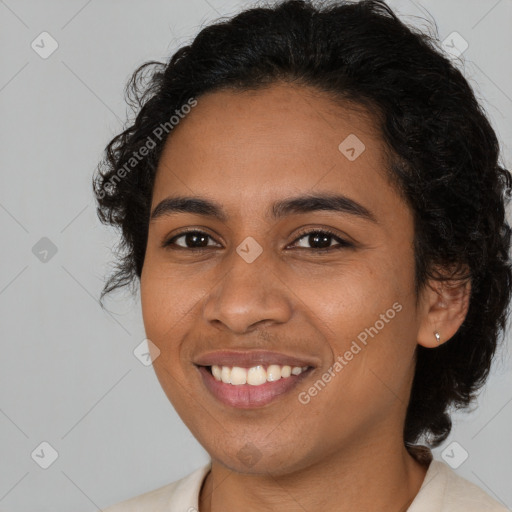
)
(445, 305)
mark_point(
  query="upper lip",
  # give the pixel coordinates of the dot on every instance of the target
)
(250, 358)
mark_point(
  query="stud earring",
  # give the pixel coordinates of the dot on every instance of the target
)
(438, 337)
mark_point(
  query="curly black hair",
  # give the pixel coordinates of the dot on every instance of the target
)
(443, 159)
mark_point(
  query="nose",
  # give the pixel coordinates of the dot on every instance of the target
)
(248, 296)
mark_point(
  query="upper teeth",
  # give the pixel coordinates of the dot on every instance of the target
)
(255, 375)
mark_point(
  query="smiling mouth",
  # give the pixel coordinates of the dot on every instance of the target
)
(255, 375)
(253, 387)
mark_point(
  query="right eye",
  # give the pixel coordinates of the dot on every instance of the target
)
(191, 239)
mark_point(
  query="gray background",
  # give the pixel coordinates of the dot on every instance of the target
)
(68, 373)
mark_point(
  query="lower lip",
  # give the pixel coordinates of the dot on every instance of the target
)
(245, 396)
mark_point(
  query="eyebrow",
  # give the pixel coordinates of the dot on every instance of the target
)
(295, 205)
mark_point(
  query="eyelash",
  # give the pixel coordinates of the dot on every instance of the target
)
(342, 244)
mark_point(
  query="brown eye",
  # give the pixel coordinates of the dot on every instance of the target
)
(321, 240)
(189, 240)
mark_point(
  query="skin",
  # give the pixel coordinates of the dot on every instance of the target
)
(246, 150)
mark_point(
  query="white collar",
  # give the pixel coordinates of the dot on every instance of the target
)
(442, 490)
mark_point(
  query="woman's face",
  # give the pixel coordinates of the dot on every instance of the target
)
(263, 287)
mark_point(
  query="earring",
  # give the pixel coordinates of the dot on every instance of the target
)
(438, 338)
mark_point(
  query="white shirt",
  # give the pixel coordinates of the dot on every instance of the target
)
(442, 491)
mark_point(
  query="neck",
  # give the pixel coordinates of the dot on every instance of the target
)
(365, 477)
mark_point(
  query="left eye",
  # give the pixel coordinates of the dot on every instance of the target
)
(321, 239)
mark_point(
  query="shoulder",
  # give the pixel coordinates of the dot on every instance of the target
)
(444, 490)
(465, 494)
(180, 495)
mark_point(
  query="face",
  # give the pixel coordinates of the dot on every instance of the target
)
(311, 301)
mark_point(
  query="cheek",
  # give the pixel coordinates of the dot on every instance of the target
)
(164, 298)
(164, 313)
(170, 303)
(161, 309)
(153, 299)
(350, 298)
(366, 312)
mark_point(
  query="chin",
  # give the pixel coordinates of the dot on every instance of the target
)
(253, 458)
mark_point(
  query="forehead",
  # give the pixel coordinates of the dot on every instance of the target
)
(252, 147)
